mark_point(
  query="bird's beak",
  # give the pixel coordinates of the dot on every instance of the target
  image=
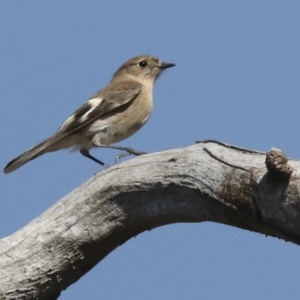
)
(164, 65)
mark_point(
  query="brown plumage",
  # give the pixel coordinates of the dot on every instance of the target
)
(111, 115)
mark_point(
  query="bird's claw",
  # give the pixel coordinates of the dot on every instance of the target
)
(129, 151)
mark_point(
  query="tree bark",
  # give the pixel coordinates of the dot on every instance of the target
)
(209, 181)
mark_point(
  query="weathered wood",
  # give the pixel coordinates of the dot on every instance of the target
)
(209, 181)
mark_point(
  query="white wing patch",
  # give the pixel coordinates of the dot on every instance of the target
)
(94, 103)
(67, 123)
(81, 114)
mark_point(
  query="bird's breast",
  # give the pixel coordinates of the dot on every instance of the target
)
(124, 123)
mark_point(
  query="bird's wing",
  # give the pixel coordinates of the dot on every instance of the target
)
(103, 102)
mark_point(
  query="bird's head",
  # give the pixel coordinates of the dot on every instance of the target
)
(144, 67)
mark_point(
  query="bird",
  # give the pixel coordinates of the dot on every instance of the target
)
(111, 115)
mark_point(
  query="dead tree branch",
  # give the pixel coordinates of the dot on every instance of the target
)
(209, 181)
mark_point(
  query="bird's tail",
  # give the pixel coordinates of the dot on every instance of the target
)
(32, 153)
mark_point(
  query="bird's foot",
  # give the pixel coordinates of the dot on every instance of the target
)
(129, 151)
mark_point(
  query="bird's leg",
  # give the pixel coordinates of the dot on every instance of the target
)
(120, 156)
(86, 153)
(96, 141)
(129, 151)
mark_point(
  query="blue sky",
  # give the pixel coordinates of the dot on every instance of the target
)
(237, 80)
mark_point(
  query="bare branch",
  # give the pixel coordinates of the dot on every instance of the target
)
(209, 181)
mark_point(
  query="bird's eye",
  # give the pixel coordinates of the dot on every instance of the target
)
(143, 64)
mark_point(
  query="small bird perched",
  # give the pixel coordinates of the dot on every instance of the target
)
(111, 115)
